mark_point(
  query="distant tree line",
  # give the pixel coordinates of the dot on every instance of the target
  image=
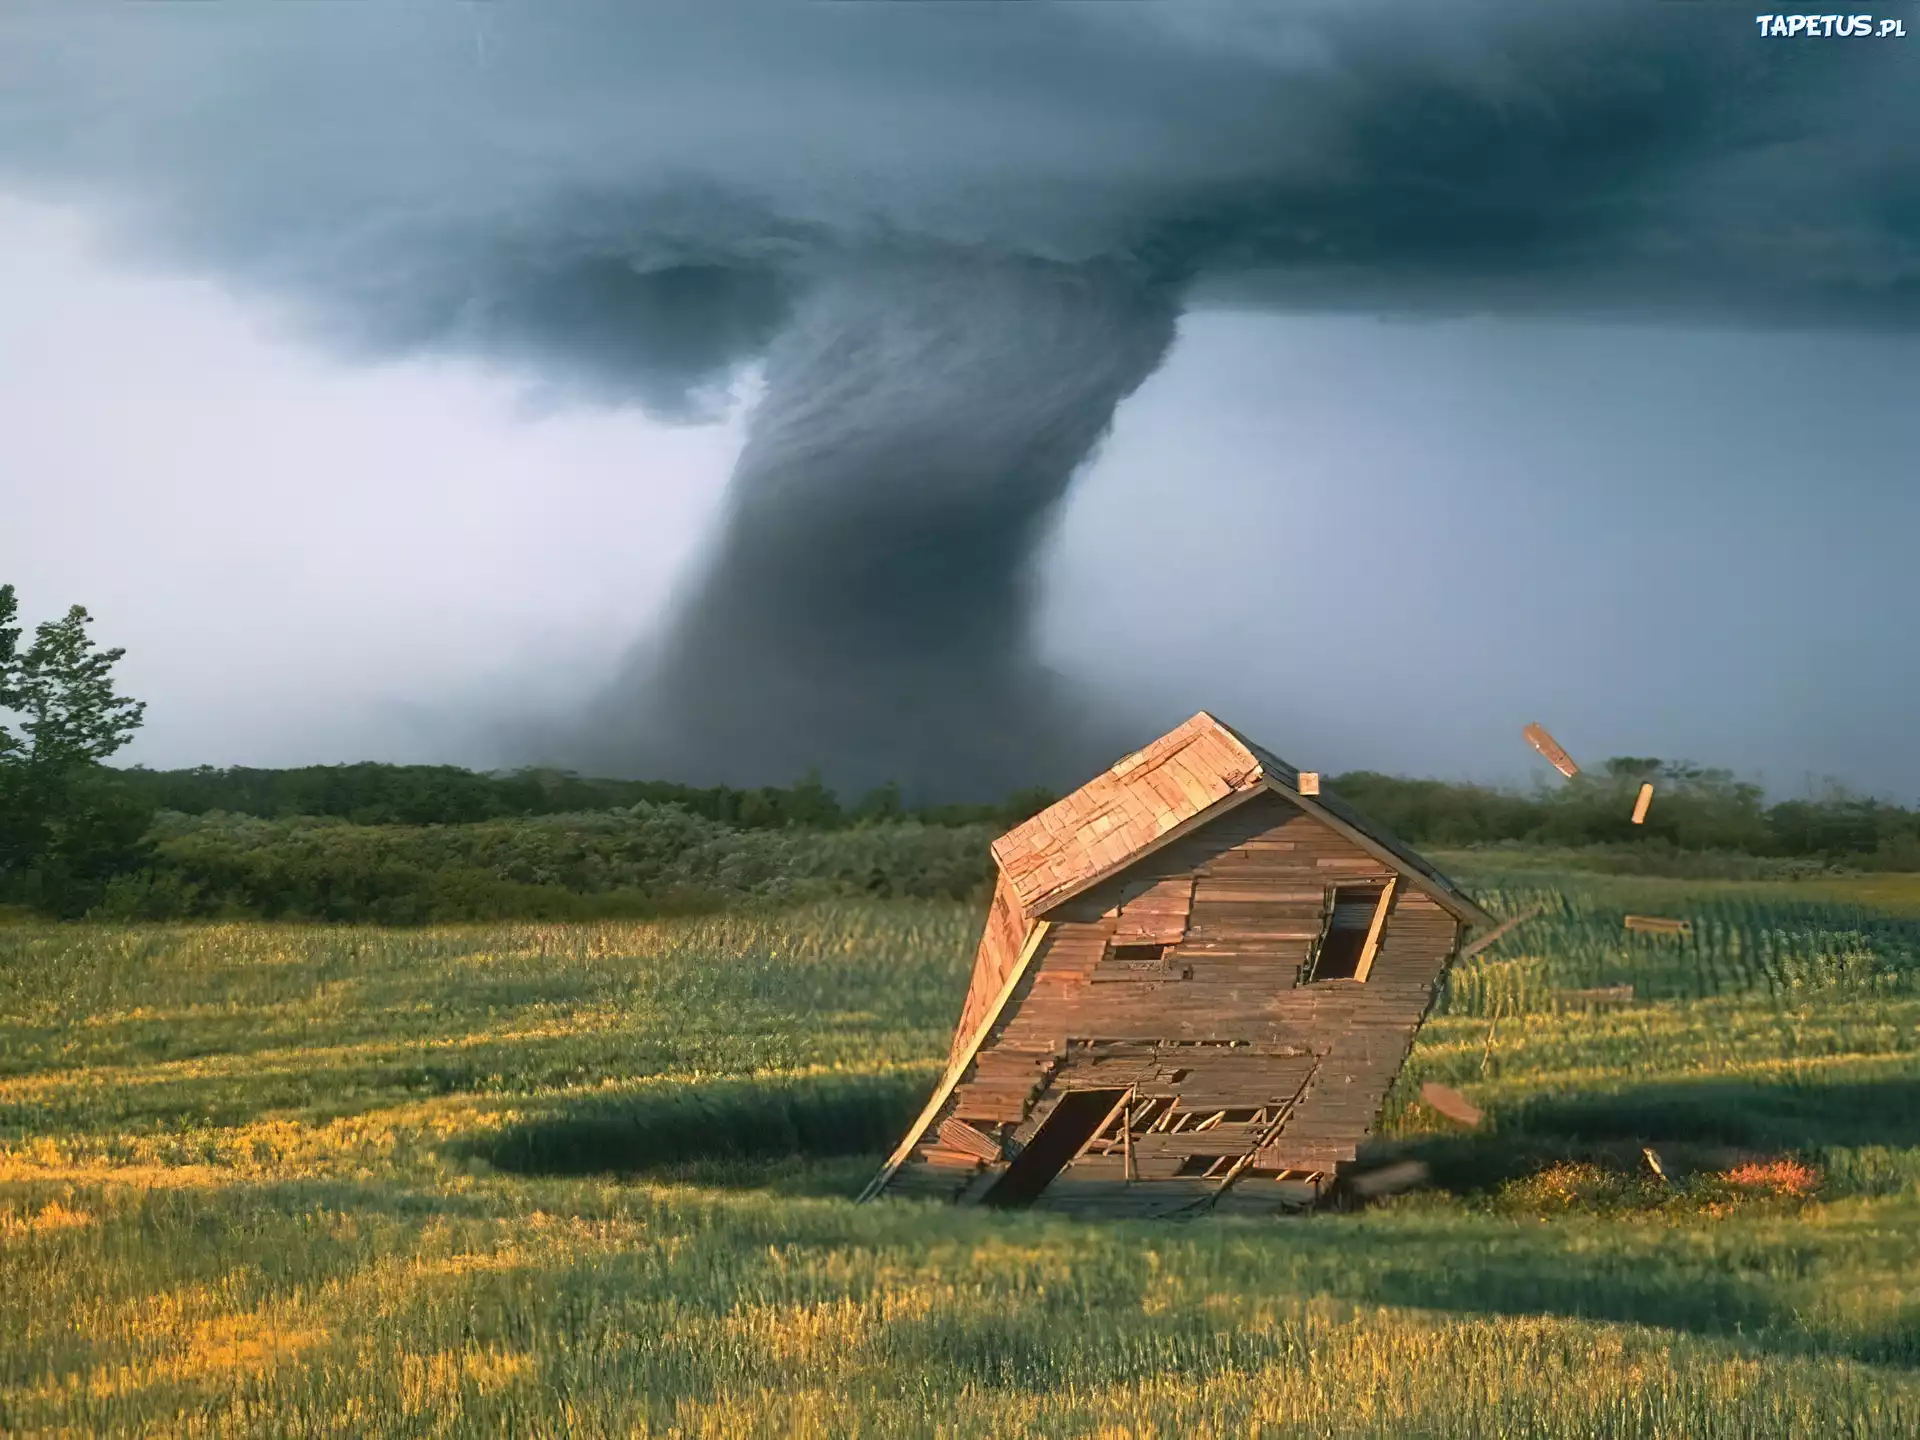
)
(374, 794)
(432, 842)
(1694, 809)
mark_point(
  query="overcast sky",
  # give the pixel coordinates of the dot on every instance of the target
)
(1370, 542)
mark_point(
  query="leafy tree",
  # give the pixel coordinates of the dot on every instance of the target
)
(66, 826)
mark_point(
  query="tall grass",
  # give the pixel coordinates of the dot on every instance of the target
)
(1738, 944)
(546, 1179)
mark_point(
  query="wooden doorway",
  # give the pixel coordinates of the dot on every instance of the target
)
(1078, 1116)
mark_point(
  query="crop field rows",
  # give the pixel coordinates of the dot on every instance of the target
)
(1736, 946)
(595, 1179)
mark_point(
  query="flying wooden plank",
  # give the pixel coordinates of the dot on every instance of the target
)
(1659, 925)
(1640, 805)
(1503, 928)
(1550, 747)
(1309, 783)
(1452, 1104)
(1390, 1179)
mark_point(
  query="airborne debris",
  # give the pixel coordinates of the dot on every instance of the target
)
(1502, 929)
(1602, 998)
(1550, 747)
(1452, 1104)
(1391, 1179)
(1640, 805)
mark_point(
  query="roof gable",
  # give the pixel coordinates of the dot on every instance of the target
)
(1184, 780)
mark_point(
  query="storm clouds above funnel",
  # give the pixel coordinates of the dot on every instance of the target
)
(954, 237)
(868, 607)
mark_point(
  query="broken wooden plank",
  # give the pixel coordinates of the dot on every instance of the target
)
(1537, 737)
(1659, 925)
(1452, 1104)
(1371, 945)
(1601, 998)
(959, 1135)
(1504, 928)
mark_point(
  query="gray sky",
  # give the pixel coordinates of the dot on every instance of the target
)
(347, 432)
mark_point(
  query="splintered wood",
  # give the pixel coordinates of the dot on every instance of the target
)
(1640, 805)
(1550, 748)
(958, 1135)
(1452, 1104)
(1309, 783)
(1659, 925)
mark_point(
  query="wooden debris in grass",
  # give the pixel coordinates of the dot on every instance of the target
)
(1659, 925)
(1604, 997)
(1452, 1104)
(1653, 1164)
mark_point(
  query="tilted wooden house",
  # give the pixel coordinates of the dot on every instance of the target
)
(1195, 987)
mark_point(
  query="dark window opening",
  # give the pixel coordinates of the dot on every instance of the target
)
(1075, 1119)
(1345, 940)
(1140, 954)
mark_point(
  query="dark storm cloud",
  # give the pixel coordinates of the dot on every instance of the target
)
(958, 235)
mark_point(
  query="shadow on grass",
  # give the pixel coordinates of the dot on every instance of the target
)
(1692, 1125)
(751, 1132)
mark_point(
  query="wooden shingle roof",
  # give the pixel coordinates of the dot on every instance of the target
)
(1187, 777)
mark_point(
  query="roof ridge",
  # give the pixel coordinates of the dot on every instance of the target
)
(1166, 787)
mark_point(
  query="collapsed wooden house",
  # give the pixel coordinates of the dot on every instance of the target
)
(1199, 977)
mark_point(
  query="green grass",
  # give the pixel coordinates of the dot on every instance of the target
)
(594, 1179)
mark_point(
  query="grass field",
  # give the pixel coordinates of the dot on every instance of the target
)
(593, 1180)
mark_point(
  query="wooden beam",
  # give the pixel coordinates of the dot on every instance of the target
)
(1640, 806)
(943, 1092)
(1659, 925)
(1503, 928)
(1367, 951)
(1537, 737)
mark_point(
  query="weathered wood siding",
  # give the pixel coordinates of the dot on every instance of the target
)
(1000, 945)
(1220, 1023)
(1148, 795)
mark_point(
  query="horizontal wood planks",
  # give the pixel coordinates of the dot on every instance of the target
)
(1218, 1026)
(1144, 797)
